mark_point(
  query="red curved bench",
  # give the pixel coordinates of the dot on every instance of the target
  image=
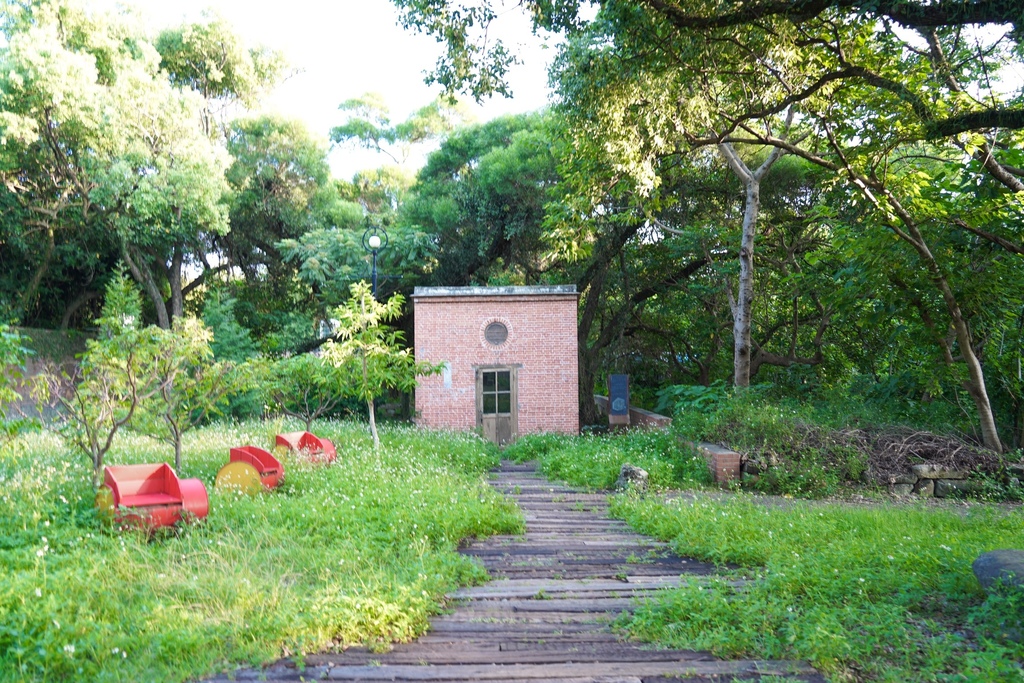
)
(152, 495)
(319, 450)
(270, 468)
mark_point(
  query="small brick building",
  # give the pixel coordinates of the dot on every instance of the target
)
(510, 355)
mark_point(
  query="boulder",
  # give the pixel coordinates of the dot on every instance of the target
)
(903, 479)
(901, 489)
(1007, 565)
(932, 471)
(632, 479)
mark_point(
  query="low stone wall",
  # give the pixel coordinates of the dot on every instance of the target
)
(929, 480)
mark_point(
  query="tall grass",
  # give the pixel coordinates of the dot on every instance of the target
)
(594, 460)
(359, 551)
(882, 594)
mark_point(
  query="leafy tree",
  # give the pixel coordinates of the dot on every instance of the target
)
(370, 353)
(282, 191)
(102, 152)
(368, 125)
(211, 59)
(305, 386)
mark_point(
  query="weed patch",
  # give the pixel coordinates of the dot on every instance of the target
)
(594, 461)
(863, 593)
(361, 551)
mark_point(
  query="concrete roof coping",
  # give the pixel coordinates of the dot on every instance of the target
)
(532, 290)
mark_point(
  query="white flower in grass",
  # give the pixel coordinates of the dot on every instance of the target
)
(69, 649)
(39, 592)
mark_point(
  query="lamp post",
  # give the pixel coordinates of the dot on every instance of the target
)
(375, 239)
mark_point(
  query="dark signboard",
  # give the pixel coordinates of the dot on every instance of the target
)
(618, 395)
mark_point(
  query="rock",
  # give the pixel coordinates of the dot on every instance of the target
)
(1007, 565)
(901, 489)
(932, 471)
(753, 467)
(903, 479)
(1016, 470)
(632, 479)
(946, 487)
(925, 487)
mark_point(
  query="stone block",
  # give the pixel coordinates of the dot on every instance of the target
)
(946, 487)
(907, 478)
(932, 471)
(925, 487)
(1005, 564)
(901, 489)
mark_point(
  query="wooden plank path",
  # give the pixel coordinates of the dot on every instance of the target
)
(546, 616)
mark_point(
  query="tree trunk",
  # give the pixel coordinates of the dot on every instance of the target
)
(745, 292)
(33, 286)
(975, 385)
(741, 308)
(140, 271)
(76, 304)
(370, 410)
(373, 424)
(174, 278)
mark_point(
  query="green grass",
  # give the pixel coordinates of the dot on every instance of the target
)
(882, 593)
(358, 552)
(594, 461)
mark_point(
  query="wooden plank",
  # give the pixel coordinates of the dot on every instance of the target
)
(484, 672)
(517, 587)
(493, 655)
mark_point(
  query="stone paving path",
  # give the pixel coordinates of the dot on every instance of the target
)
(546, 615)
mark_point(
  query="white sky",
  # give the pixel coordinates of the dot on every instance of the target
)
(345, 48)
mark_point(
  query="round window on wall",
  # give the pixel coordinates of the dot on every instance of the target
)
(496, 333)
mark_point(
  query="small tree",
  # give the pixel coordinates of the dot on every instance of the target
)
(114, 375)
(187, 384)
(305, 387)
(372, 352)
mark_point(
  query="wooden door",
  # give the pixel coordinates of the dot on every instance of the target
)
(496, 410)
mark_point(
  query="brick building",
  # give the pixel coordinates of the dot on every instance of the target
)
(510, 355)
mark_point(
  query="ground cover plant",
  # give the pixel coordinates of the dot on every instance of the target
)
(863, 593)
(594, 460)
(361, 551)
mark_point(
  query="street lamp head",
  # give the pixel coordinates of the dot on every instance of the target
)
(374, 242)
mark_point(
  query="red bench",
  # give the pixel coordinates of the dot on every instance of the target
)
(268, 468)
(150, 496)
(319, 450)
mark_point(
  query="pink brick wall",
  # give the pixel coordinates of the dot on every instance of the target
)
(541, 342)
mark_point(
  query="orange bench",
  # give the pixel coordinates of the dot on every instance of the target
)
(150, 495)
(319, 450)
